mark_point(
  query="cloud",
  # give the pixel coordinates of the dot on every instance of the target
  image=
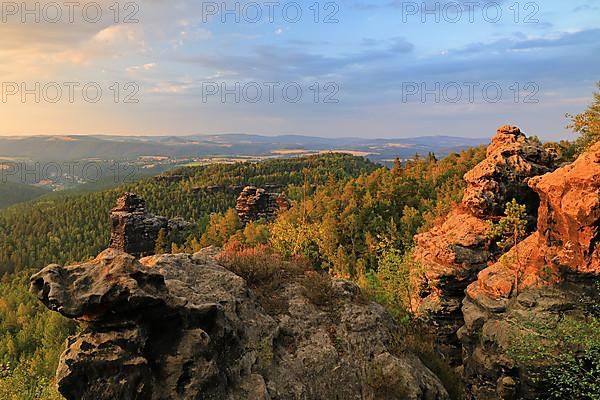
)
(49, 48)
(171, 87)
(291, 63)
(395, 45)
(135, 70)
(370, 53)
(523, 42)
(586, 8)
(581, 38)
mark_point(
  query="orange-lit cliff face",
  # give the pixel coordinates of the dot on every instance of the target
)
(568, 231)
(454, 253)
(541, 278)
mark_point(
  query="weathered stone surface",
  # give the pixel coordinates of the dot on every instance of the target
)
(511, 161)
(451, 255)
(567, 236)
(134, 230)
(255, 203)
(183, 327)
(454, 253)
(569, 217)
(541, 278)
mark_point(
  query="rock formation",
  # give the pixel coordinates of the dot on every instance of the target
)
(511, 160)
(453, 253)
(135, 231)
(254, 204)
(235, 189)
(555, 265)
(183, 327)
(168, 178)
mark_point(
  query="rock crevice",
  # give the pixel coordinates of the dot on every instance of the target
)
(477, 296)
(453, 253)
(554, 267)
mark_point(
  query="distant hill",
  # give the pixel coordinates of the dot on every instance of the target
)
(13, 193)
(76, 147)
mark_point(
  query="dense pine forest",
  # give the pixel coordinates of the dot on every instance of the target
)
(62, 229)
(13, 193)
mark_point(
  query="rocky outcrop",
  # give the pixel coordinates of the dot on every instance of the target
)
(453, 253)
(511, 160)
(133, 230)
(168, 178)
(254, 204)
(450, 256)
(541, 278)
(183, 327)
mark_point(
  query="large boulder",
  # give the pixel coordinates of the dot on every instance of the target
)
(183, 327)
(453, 253)
(541, 278)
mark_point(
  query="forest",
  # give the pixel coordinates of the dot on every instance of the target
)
(12, 193)
(350, 218)
(357, 203)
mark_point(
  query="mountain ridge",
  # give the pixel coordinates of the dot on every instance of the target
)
(77, 147)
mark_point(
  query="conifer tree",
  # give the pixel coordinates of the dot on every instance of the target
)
(510, 230)
(162, 244)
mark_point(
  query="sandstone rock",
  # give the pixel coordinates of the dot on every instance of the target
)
(552, 268)
(135, 231)
(170, 178)
(570, 213)
(454, 253)
(567, 236)
(183, 327)
(511, 161)
(451, 256)
(254, 204)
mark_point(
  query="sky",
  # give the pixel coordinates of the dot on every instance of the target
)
(365, 68)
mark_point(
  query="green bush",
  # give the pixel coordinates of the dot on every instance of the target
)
(562, 357)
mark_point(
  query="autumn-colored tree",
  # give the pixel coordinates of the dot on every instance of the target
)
(397, 168)
(162, 245)
(255, 233)
(73, 226)
(587, 124)
(399, 275)
(220, 228)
